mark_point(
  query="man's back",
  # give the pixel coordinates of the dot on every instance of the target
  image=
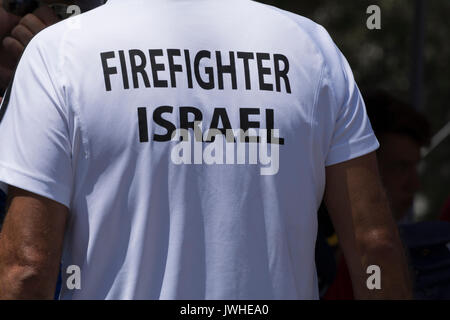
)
(155, 217)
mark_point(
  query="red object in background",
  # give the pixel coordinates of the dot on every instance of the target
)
(445, 212)
(341, 288)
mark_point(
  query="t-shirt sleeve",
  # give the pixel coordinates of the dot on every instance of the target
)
(346, 131)
(35, 148)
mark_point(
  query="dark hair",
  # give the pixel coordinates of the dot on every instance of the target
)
(388, 114)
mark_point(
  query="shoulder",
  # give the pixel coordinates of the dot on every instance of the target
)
(301, 31)
(314, 30)
(56, 37)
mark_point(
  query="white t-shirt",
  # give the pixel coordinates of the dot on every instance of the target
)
(93, 121)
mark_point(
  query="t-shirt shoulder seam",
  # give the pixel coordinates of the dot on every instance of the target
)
(62, 81)
(314, 111)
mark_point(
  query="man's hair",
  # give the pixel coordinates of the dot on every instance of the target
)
(388, 114)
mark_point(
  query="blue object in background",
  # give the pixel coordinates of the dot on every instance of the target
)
(428, 245)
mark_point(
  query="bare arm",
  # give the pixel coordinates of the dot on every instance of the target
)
(365, 227)
(31, 243)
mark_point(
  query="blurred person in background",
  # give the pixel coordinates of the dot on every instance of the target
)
(15, 33)
(7, 61)
(402, 132)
